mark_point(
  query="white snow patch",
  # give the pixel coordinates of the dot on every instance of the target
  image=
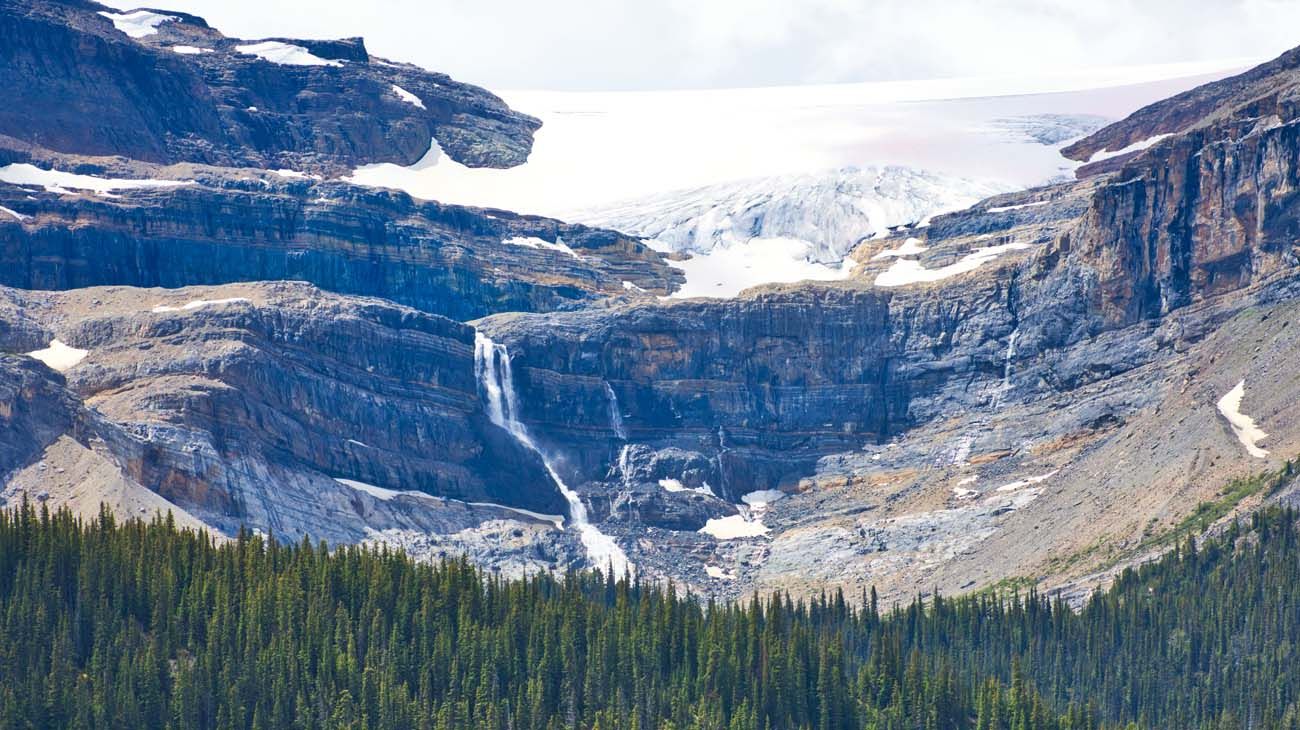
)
(762, 497)
(1005, 208)
(59, 356)
(538, 243)
(911, 271)
(1100, 155)
(190, 50)
(675, 485)
(197, 304)
(557, 520)
(14, 213)
(910, 247)
(377, 492)
(285, 54)
(726, 271)
(629, 286)
(717, 573)
(55, 181)
(734, 527)
(1028, 481)
(293, 174)
(137, 23)
(1248, 433)
(408, 97)
(968, 480)
(385, 495)
(963, 493)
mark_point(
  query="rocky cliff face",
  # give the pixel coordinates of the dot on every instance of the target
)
(217, 226)
(279, 407)
(1203, 213)
(1030, 389)
(164, 87)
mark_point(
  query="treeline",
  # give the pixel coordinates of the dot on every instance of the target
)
(140, 625)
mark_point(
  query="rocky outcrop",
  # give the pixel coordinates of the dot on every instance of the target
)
(34, 411)
(1210, 210)
(176, 90)
(1266, 85)
(277, 407)
(228, 226)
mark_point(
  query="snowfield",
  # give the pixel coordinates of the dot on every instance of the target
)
(1247, 432)
(538, 243)
(911, 271)
(408, 97)
(285, 54)
(196, 304)
(59, 356)
(137, 23)
(55, 181)
(14, 214)
(1100, 155)
(734, 528)
(800, 174)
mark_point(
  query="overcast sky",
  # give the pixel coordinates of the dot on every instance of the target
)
(667, 44)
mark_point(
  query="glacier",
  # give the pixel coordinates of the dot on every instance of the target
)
(832, 210)
(765, 185)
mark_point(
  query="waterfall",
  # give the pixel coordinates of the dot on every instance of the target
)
(492, 368)
(625, 465)
(615, 414)
(1006, 369)
(1011, 354)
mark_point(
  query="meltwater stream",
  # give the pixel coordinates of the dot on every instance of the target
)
(615, 413)
(492, 367)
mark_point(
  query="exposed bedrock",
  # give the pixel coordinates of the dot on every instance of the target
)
(99, 91)
(226, 227)
(226, 397)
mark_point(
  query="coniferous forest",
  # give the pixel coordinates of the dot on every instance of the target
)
(140, 625)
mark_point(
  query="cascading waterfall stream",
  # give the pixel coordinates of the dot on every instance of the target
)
(615, 413)
(492, 368)
(1006, 369)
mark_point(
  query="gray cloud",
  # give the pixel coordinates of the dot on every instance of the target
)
(647, 44)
